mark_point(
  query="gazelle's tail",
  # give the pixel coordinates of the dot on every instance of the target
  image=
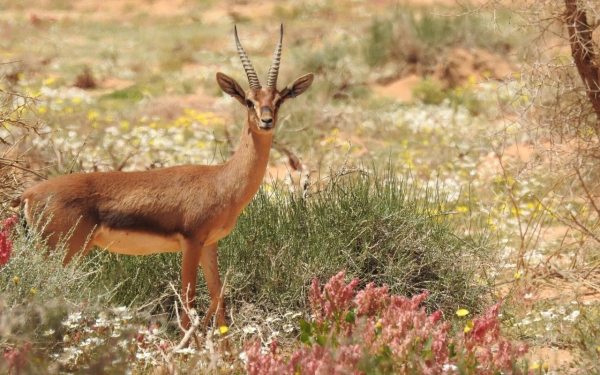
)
(15, 204)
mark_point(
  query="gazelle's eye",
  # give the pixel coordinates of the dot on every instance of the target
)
(249, 104)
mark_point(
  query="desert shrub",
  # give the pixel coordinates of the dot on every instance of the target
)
(375, 226)
(14, 128)
(429, 91)
(586, 337)
(370, 331)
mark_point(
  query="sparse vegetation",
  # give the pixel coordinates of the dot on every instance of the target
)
(481, 180)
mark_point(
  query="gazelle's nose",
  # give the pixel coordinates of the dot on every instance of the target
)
(266, 117)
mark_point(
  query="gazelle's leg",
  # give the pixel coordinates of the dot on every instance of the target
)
(189, 276)
(80, 240)
(210, 268)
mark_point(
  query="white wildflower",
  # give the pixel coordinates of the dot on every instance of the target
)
(449, 367)
(288, 328)
(186, 351)
(120, 310)
(49, 332)
(571, 317)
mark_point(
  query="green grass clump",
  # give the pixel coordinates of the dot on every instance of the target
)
(375, 227)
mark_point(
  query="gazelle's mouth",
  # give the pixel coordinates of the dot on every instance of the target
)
(265, 125)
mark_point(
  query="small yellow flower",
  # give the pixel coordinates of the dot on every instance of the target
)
(32, 291)
(16, 279)
(223, 330)
(378, 324)
(535, 366)
(545, 367)
(462, 312)
(517, 275)
(93, 115)
(468, 326)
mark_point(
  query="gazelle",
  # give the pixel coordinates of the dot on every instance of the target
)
(184, 209)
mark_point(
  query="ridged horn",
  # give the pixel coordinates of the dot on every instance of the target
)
(250, 72)
(274, 69)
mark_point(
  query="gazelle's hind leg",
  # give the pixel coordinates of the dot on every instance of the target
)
(77, 239)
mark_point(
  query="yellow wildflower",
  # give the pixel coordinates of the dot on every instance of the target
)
(468, 326)
(223, 330)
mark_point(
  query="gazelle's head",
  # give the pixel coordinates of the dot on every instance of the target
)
(263, 103)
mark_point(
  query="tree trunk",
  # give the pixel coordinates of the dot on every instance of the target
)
(584, 52)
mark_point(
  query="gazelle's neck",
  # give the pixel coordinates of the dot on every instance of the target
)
(247, 166)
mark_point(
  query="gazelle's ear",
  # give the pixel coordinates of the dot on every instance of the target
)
(297, 87)
(231, 87)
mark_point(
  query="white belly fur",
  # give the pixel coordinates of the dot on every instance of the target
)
(136, 243)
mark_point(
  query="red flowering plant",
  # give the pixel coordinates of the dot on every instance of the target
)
(371, 331)
(6, 240)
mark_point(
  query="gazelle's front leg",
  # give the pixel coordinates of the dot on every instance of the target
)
(210, 268)
(189, 276)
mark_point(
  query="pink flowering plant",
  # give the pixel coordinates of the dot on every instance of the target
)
(370, 331)
(5, 240)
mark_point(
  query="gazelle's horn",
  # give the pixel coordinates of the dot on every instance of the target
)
(274, 69)
(250, 72)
